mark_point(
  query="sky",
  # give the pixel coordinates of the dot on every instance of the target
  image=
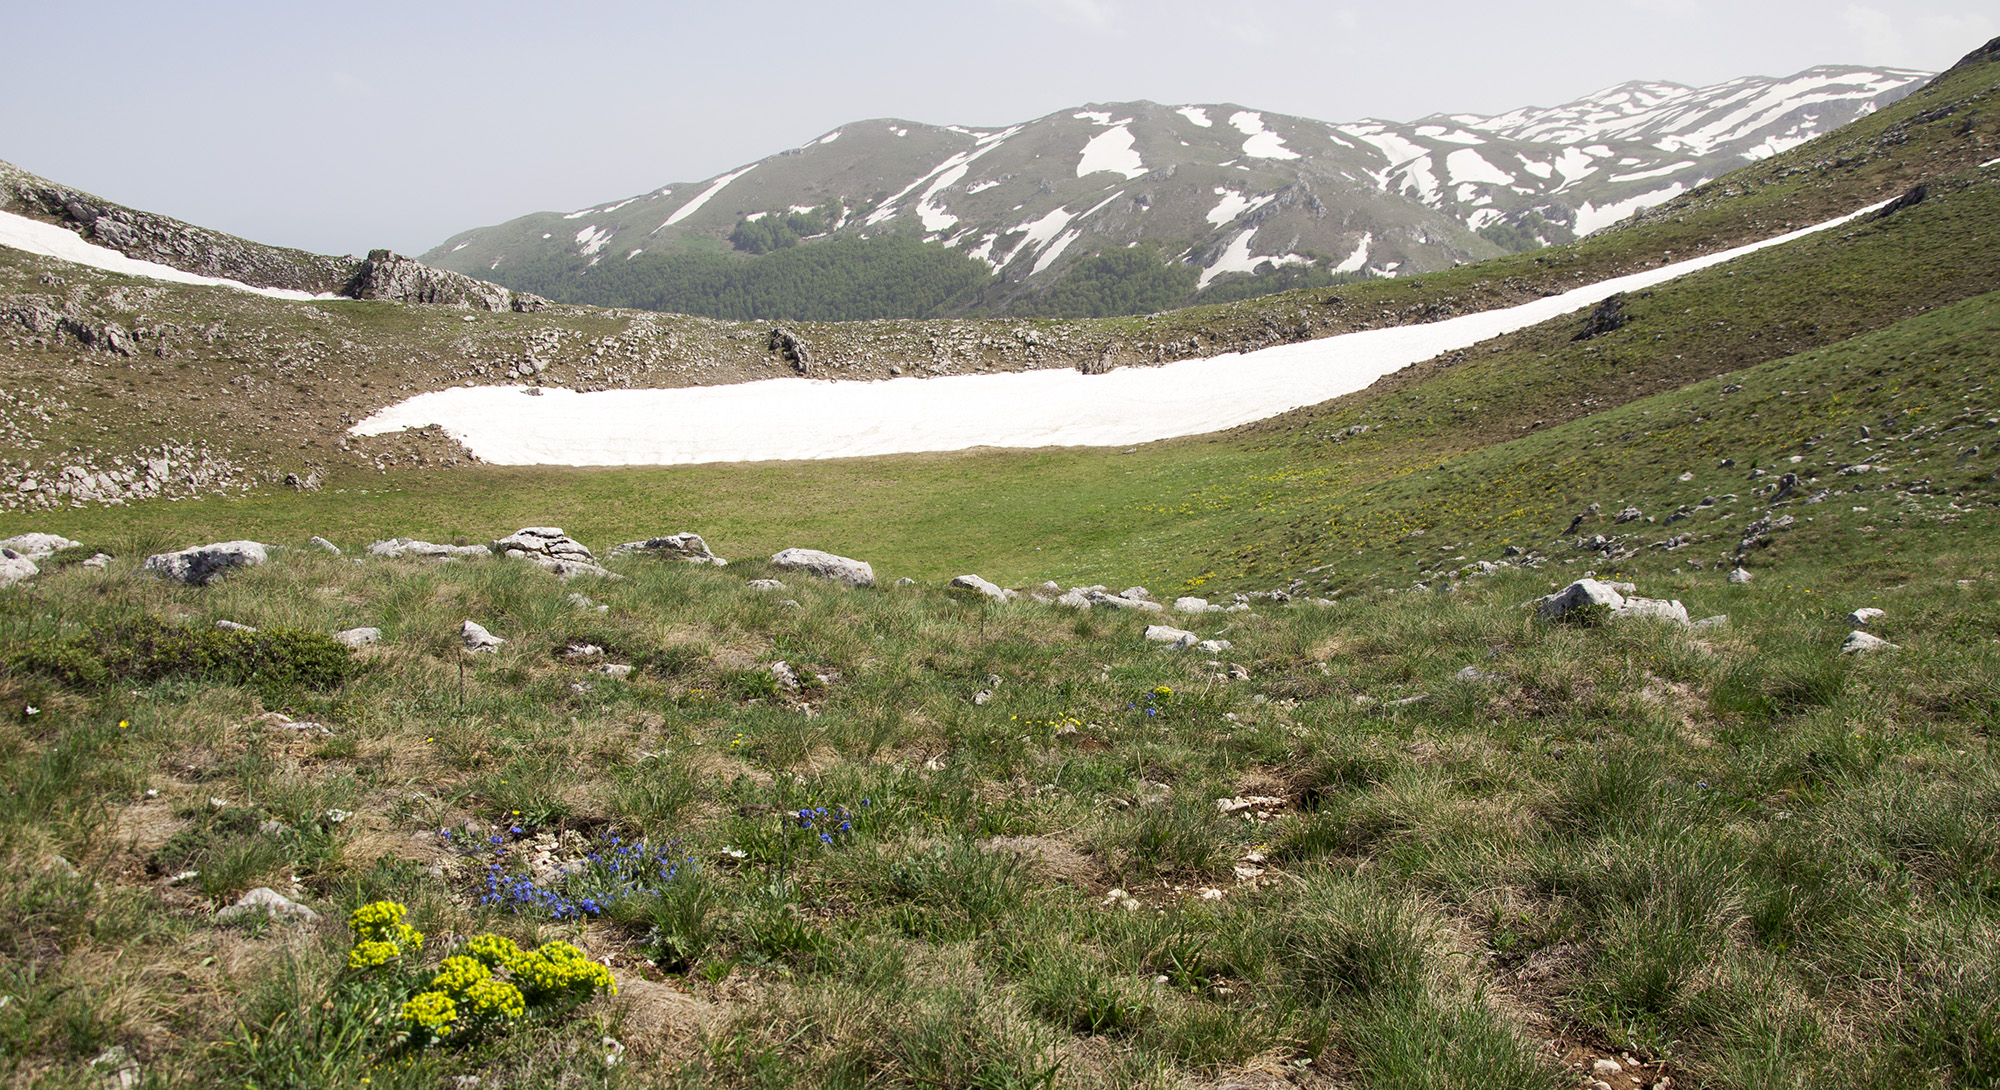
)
(344, 128)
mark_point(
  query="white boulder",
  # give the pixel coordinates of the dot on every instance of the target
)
(1861, 643)
(14, 567)
(477, 638)
(1176, 638)
(855, 573)
(38, 546)
(1866, 615)
(681, 546)
(972, 584)
(199, 565)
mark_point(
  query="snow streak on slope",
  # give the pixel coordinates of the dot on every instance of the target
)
(803, 418)
(693, 206)
(48, 240)
(1111, 150)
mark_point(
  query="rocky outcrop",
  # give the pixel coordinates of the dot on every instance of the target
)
(549, 547)
(1609, 317)
(787, 344)
(477, 639)
(15, 567)
(1588, 598)
(200, 565)
(169, 241)
(855, 573)
(388, 275)
(972, 586)
(681, 546)
(409, 546)
(265, 901)
(38, 546)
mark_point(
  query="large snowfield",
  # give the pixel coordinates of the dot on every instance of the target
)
(49, 240)
(799, 418)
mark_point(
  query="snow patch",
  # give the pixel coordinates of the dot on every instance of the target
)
(1357, 260)
(590, 239)
(1111, 150)
(48, 240)
(829, 137)
(1232, 205)
(1658, 172)
(1467, 165)
(460, 246)
(1195, 114)
(1055, 251)
(635, 253)
(1261, 143)
(794, 418)
(980, 187)
(1098, 116)
(1236, 257)
(1591, 218)
(693, 206)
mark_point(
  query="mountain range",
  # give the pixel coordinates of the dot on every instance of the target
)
(1222, 189)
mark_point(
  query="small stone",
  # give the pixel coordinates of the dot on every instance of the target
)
(854, 573)
(982, 696)
(232, 626)
(1474, 675)
(321, 543)
(974, 586)
(1859, 642)
(270, 902)
(615, 670)
(477, 639)
(782, 673)
(1604, 1069)
(358, 637)
(1175, 637)
(99, 560)
(1213, 647)
(1740, 576)
(115, 1069)
(766, 584)
(1866, 615)
(1709, 623)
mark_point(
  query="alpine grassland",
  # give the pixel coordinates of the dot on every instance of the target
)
(1371, 817)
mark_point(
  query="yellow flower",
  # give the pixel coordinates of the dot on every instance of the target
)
(431, 1012)
(369, 953)
(493, 951)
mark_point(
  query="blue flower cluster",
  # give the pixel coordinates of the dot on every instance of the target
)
(613, 870)
(830, 822)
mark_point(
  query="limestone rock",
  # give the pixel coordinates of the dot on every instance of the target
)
(319, 542)
(14, 567)
(200, 565)
(1176, 638)
(974, 585)
(543, 541)
(1579, 595)
(1656, 608)
(1213, 647)
(478, 639)
(584, 603)
(409, 546)
(358, 637)
(232, 626)
(38, 546)
(855, 573)
(1075, 599)
(782, 673)
(615, 670)
(1859, 642)
(681, 546)
(1740, 576)
(1195, 605)
(387, 275)
(99, 561)
(269, 902)
(1866, 616)
(766, 584)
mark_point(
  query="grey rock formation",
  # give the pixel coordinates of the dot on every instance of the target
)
(1195, 605)
(681, 546)
(787, 344)
(409, 546)
(387, 275)
(1616, 600)
(766, 584)
(1865, 616)
(38, 546)
(232, 626)
(1740, 576)
(199, 565)
(542, 541)
(323, 544)
(855, 573)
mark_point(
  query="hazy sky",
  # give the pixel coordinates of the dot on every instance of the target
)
(338, 128)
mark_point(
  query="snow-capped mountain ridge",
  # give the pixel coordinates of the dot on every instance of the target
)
(1224, 186)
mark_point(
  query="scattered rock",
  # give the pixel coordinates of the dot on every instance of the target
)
(616, 670)
(782, 673)
(582, 602)
(1075, 599)
(232, 626)
(1213, 647)
(681, 546)
(199, 565)
(549, 547)
(1475, 675)
(973, 585)
(1866, 616)
(319, 542)
(765, 584)
(906, 581)
(1740, 576)
(1630, 514)
(1262, 804)
(99, 561)
(478, 639)
(14, 567)
(854, 573)
(1609, 317)
(269, 902)
(1709, 623)
(115, 1069)
(1615, 599)
(38, 546)
(1175, 637)
(358, 637)
(1195, 605)
(407, 546)
(1859, 642)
